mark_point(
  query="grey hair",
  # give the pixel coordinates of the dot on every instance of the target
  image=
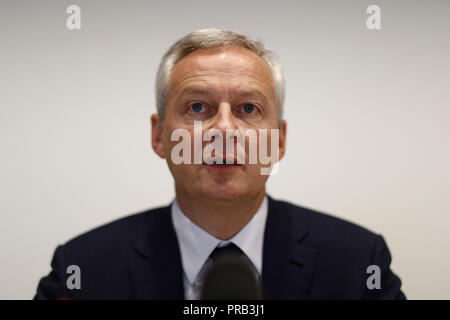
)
(211, 38)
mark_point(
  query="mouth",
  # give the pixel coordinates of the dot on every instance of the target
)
(222, 167)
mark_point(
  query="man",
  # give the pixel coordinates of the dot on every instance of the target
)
(222, 81)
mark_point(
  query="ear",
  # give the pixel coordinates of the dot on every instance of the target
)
(157, 131)
(282, 139)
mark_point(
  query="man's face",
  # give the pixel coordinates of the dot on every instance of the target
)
(224, 88)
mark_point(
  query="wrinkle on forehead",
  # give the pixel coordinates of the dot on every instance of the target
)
(223, 65)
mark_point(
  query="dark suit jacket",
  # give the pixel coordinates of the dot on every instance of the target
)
(306, 255)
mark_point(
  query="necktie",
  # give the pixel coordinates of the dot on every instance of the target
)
(225, 252)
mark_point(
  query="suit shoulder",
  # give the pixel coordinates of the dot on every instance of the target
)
(328, 226)
(114, 233)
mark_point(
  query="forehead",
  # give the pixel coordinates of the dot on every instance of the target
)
(224, 66)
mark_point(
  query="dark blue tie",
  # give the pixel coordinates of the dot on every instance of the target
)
(227, 251)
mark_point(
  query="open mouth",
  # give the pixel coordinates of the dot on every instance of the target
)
(224, 166)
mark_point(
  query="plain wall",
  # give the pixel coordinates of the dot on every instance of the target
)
(368, 121)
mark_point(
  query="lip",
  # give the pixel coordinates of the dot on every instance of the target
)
(231, 160)
(222, 167)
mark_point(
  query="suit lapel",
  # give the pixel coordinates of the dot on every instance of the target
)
(287, 264)
(155, 271)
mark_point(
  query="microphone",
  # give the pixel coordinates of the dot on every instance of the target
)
(231, 278)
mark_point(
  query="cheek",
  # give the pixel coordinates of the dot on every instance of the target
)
(185, 175)
(168, 145)
(253, 173)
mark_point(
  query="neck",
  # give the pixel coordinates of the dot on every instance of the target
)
(221, 218)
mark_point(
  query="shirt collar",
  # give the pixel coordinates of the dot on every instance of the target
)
(196, 244)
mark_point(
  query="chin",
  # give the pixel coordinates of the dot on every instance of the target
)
(223, 193)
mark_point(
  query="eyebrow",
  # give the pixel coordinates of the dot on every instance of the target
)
(194, 90)
(253, 93)
(241, 93)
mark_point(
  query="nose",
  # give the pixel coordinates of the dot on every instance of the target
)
(224, 118)
(222, 121)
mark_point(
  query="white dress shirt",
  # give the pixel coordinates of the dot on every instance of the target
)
(196, 245)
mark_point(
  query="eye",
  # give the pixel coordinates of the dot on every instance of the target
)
(197, 107)
(249, 108)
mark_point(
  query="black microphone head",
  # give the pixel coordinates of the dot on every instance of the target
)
(231, 278)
